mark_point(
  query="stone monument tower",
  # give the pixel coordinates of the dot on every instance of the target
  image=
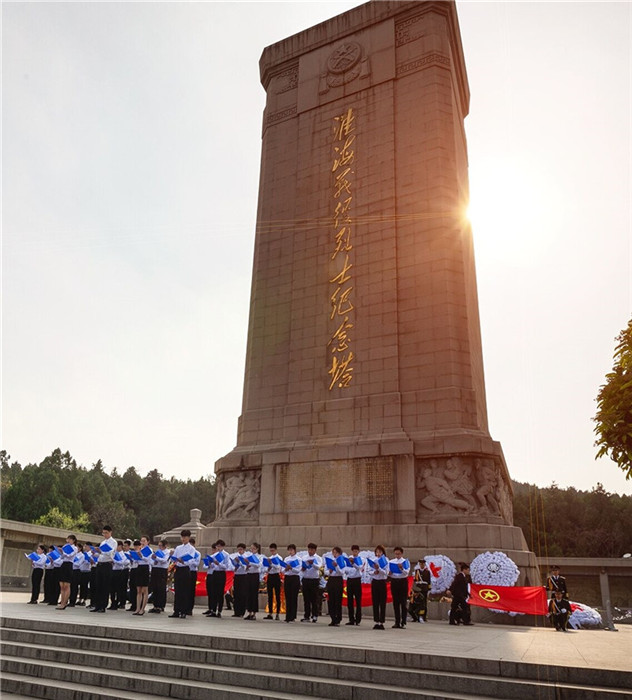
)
(364, 412)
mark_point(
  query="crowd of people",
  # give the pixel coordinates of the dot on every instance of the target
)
(114, 573)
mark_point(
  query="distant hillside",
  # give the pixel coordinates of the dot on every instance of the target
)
(571, 523)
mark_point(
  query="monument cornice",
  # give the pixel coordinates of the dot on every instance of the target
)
(281, 55)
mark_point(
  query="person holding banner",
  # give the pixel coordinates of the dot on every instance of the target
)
(379, 573)
(103, 574)
(182, 554)
(68, 552)
(291, 582)
(273, 563)
(38, 563)
(398, 570)
(353, 575)
(310, 573)
(158, 577)
(334, 567)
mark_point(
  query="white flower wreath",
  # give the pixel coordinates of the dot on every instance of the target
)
(494, 569)
(442, 572)
(583, 616)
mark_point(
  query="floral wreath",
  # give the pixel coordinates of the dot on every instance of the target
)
(494, 569)
(442, 572)
(583, 616)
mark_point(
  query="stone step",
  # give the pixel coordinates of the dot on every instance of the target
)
(53, 682)
(169, 645)
(22, 687)
(296, 677)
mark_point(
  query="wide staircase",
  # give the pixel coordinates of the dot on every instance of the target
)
(62, 661)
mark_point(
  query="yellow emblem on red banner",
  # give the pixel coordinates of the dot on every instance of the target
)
(489, 595)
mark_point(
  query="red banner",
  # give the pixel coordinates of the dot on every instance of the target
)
(200, 584)
(520, 599)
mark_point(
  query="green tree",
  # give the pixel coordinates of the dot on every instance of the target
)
(614, 407)
(55, 518)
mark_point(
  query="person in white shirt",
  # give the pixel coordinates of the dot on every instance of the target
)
(37, 573)
(273, 582)
(182, 576)
(103, 576)
(353, 574)
(291, 582)
(193, 572)
(239, 581)
(85, 572)
(379, 574)
(51, 585)
(76, 576)
(221, 564)
(310, 580)
(399, 586)
(65, 572)
(334, 572)
(120, 573)
(253, 574)
(158, 577)
(142, 575)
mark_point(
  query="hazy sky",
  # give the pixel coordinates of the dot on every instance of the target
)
(131, 144)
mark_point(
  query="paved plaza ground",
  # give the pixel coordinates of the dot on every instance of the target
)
(540, 645)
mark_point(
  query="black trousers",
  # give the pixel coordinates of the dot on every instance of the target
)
(273, 587)
(459, 611)
(182, 590)
(158, 583)
(334, 594)
(239, 594)
(216, 598)
(560, 620)
(102, 581)
(132, 588)
(310, 597)
(399, 591)
(74, 586)
(121, 577)
(36, 582)
(354, 599)
(252, 593)
(291, 586)
(84, 585)
(378, 595)
(193, 584)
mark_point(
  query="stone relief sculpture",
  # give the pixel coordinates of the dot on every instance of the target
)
(438, 492)
(238, 496)
(487, 484)
(462, 485)
(459, 474)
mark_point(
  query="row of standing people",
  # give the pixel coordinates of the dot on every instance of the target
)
(298, 574)
(74, 573)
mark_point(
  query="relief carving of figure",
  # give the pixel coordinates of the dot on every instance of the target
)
(459, 475)
(238, 496)
(485, 494)
(504, 500)
(439, 491)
